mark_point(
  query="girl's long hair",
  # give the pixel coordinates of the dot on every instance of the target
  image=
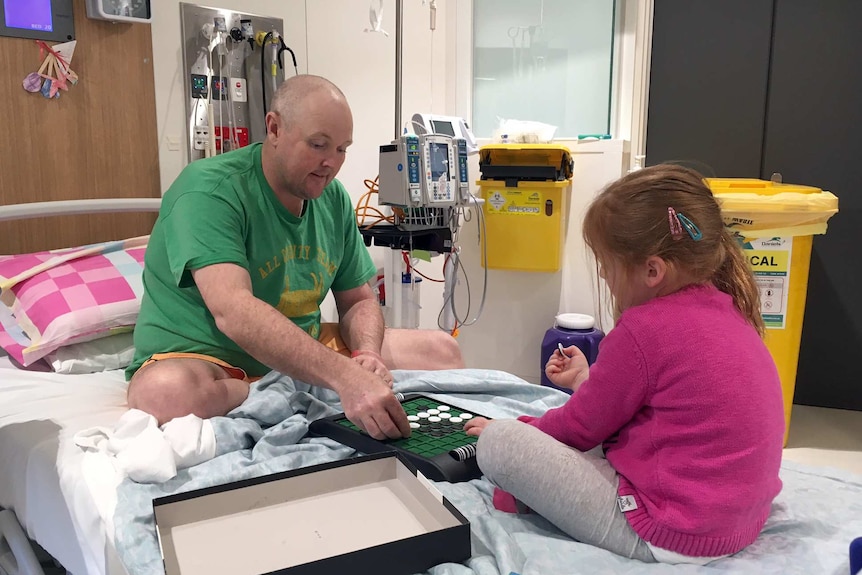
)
(628, 222)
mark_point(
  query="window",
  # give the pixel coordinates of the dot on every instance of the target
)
(543, 60)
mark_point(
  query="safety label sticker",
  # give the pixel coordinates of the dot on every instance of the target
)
(770, 261)
(515, 202)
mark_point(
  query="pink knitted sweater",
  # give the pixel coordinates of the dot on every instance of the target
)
(687, 401)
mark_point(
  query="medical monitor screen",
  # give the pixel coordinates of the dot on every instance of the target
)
(439, 160)
(441, 127)
(38, 19)
(29, 14)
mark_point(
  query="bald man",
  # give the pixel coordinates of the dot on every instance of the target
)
(246, 246)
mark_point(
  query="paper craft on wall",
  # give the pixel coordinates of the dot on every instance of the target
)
(55, 73)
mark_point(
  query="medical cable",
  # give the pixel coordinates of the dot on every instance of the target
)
(210, 147)
(232, 123)
(280, 56)
(411, 265)
(263, 44)
(363, 208)
(451, 299)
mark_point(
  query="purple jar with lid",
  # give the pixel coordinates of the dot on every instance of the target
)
(571, 329)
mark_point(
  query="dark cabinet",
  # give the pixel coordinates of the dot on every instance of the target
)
(747, 88)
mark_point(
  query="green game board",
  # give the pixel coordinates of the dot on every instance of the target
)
(438, 448)
(432, 438)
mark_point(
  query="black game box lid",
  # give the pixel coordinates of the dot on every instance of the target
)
(369, 514)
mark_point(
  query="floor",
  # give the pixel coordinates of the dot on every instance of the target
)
(825, 437)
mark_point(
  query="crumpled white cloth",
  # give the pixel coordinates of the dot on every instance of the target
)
(147, 453)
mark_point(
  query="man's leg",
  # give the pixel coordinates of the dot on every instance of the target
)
(420, 349)
(175, 387)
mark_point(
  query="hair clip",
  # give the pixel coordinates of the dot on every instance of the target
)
(690, 227)
(674, 223)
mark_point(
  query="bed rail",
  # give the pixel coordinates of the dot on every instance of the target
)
(74, 207)
(16, 554)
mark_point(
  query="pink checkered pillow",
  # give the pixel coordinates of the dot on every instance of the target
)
(67, 296)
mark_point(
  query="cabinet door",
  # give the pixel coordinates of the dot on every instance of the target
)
(708, 77)
(814, 115)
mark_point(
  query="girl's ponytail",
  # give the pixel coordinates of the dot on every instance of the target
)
(734, 277)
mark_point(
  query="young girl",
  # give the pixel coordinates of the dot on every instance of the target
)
(684, 396)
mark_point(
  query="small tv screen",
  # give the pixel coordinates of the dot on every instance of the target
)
(50, 20)
(29, 15)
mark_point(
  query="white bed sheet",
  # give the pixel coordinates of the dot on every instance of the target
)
(45, 478)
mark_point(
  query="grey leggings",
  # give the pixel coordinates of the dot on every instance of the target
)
(575, 491)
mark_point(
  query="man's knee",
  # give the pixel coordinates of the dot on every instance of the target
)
(168, 389)
(447, 349)
(153, 385)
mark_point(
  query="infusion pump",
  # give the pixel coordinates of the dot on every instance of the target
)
(428, 170)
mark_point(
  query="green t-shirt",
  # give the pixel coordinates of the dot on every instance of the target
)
(222, 210)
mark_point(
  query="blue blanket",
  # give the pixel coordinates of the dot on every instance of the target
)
(812, 522)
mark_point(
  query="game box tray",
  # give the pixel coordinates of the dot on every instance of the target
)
(369, 514)
(438, 446)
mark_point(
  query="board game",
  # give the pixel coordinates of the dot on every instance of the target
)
(437, 446)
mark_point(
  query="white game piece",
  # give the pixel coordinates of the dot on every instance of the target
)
(414, 425)
(456, 420)
(445, 415)
(443, 407)
(433, 419)
(433, 411)
(412, 418)
(422, 414)
(466, 415)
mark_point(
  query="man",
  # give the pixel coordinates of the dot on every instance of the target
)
(246, 246)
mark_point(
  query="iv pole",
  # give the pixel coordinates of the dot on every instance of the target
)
(399, 23)
(392, 264)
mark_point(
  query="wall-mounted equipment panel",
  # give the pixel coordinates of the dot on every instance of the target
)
(232, 64)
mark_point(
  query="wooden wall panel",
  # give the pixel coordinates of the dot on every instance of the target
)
(98, 140)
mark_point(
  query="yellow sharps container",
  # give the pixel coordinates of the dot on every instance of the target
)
(775, 223)
(526, 189)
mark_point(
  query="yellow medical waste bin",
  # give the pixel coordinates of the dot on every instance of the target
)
(775, 223)
(526, 189)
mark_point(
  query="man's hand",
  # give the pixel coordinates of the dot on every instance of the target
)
(567, 370)
(374, 363)
(370, 404)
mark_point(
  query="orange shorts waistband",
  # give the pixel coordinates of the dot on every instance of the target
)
(330, 336)
(234, 372)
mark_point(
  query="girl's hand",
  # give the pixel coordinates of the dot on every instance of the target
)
(476, 425)
(568, 371)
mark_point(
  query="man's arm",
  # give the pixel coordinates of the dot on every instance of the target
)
(276, 341)
(360, 323)
(360, 319)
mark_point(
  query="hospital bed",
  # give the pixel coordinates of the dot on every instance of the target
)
(91, 519)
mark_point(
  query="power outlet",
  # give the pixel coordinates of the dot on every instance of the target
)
(202, 138)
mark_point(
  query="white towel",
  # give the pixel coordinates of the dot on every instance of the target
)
(146, 453)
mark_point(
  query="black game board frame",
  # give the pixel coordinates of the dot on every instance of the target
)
(442, 467)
